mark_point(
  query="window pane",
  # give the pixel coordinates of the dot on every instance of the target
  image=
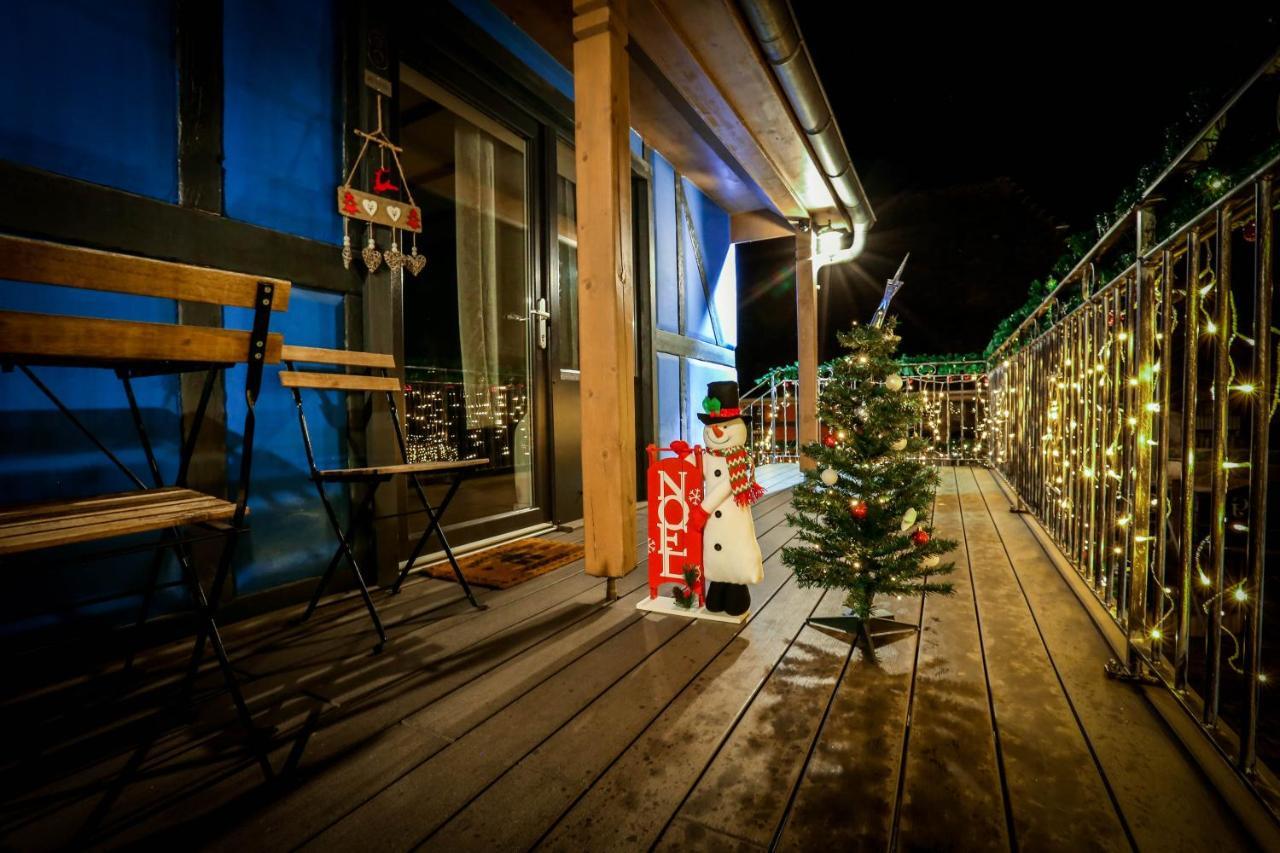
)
(567, 252)
(466, 317)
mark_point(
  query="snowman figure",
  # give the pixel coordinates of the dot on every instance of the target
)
(731, 555)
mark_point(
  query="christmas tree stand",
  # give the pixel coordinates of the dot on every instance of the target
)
(873, 631)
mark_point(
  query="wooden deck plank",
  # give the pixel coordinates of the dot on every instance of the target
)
(539, 722)
(99, 760)
(533, 791)
(1161, 793)
(855, 765)
(667, 760)
(745, 791)
(1056, 796)
(405, 748)
(951, 789)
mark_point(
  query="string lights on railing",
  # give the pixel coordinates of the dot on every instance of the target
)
(1136, 425)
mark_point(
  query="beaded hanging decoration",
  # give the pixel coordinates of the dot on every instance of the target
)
(376, 208)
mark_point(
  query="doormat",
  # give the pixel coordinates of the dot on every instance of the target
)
(510, 564)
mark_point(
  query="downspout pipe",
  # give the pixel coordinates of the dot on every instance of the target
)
(774, 26)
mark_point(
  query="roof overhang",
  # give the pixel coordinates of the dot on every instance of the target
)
(704, 94)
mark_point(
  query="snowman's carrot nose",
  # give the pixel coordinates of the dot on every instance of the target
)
(718, 431)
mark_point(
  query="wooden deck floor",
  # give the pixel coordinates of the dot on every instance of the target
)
(551, 720)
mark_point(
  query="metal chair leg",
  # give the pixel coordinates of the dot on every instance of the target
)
(433, 521)
(435, 526)
(344, 547)
(219, 580)
(210, 630)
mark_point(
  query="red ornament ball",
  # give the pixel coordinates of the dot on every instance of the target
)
(858, 509)
(920, 537)
(829, 440)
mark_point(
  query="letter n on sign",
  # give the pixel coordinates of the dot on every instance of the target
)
(674, 488)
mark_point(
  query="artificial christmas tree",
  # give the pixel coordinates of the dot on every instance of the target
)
(858, 513)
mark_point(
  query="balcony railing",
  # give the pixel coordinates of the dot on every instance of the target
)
(953, 419)
(1137, 426)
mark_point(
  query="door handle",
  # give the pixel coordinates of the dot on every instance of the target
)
(542, 315)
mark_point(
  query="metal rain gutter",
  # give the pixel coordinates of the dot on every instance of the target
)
(775, 30)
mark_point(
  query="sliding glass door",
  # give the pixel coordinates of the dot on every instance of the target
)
(473, 329)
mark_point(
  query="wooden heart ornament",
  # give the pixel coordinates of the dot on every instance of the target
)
(370, 206)
(394, 257)
(415, 262)
(394, 212)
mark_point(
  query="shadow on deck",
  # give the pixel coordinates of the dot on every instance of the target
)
(553, 720)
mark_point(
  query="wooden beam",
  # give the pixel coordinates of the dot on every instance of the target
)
(758, 225)
(807, 340)
(605, 300)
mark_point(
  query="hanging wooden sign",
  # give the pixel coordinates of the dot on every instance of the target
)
(381, 207)
(354, 204)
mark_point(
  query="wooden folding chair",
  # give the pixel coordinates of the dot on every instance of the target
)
(374, 476)
(133, 350)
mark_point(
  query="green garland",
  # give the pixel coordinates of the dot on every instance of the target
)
(1201, 186)
(943, 364)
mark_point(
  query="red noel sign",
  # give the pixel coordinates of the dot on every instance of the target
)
(674, 489)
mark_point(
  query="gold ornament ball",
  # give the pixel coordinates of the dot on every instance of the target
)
(930, 561)
(829, 476)
(899, 445)
(893, 382)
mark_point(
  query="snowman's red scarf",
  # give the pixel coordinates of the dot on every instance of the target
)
(746, 490)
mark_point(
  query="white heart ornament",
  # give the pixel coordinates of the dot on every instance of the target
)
(370, 206)
(394, 212)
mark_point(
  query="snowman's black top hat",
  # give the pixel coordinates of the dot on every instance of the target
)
(721, 403)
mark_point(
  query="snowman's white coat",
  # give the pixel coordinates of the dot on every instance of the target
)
(729, 525)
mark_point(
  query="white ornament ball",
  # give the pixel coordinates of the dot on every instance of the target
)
(893, 383)
(930, 561)
(829, 476)
(908, 518)
(900, 444)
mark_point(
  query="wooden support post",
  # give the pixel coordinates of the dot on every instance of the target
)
(605, 301)
(807, 343)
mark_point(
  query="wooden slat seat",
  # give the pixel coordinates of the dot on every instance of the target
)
(387, 471)
(141, 350)
(65, 522)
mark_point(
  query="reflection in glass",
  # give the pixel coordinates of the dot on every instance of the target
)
(466, 317)
(567, 255)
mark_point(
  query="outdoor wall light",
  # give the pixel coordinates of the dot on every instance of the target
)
(837, 246)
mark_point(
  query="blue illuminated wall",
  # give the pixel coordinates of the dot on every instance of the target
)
(282, 115)
(89, 90)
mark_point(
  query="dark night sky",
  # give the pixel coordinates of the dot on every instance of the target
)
(983, 142)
